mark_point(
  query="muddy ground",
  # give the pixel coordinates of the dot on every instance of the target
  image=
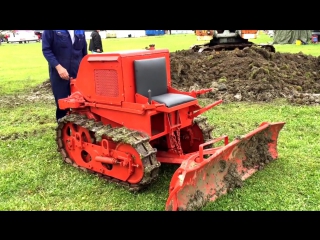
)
(252, 74)
(41, 93)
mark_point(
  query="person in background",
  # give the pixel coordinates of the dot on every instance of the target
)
(63, 50)
(95, 43)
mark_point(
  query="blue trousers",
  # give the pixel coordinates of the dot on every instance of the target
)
(60, 89)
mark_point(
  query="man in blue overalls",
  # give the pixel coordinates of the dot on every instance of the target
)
(64, 50)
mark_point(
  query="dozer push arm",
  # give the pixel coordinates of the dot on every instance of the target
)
(204, 109)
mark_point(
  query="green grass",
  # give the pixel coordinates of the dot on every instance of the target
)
(33, 177)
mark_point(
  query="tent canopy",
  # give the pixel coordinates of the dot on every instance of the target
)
(290, 36)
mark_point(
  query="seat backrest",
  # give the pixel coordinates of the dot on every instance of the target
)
(151, 74)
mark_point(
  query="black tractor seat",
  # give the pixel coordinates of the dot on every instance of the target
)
(151, 74)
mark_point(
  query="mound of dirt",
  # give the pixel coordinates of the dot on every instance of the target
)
(251, 74)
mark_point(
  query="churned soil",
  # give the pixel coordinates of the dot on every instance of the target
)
(252, 74)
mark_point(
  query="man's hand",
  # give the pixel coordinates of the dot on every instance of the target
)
(98, 50)
(62, 72)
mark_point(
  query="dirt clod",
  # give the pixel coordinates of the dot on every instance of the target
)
(257, 151)
(232, 178)
(196, 201)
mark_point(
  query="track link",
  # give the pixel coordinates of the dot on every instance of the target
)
(205, 127)
(136, 139)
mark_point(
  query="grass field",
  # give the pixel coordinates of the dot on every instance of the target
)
(33, 177)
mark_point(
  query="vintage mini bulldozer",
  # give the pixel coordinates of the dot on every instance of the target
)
(124, 120)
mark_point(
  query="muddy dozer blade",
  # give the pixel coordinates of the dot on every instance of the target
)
(200, 180)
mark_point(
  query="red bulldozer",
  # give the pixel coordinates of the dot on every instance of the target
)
(125, 120)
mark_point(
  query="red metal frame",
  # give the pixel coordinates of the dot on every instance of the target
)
(118, 104)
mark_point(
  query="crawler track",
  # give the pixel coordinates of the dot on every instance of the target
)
(98, 130)
(230, 47)
(206, 129)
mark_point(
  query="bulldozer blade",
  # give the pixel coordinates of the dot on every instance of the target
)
(200, 180)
